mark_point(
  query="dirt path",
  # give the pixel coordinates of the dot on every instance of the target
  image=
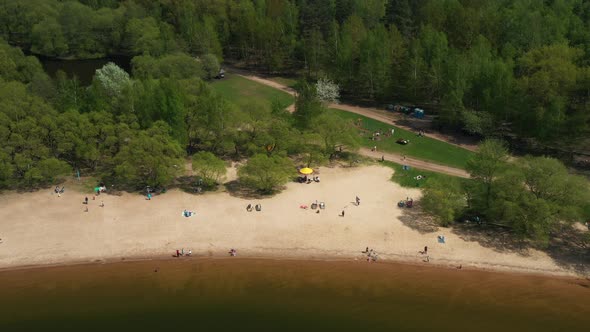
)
(370, 112)
(417, 163)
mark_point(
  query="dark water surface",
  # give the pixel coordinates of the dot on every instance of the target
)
(83, 69)
(266, 295)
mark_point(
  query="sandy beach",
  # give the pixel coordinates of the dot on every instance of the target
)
(41, 228)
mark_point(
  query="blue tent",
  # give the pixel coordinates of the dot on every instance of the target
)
(419, 113)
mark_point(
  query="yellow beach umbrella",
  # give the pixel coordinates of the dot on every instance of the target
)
(306, 171)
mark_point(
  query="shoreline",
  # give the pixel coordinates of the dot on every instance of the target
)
(449, 265)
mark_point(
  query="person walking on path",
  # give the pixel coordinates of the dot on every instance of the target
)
(177, 253)
(342, 214)
(101, 203)
(425, 250)
(358, 201)
(86, 200)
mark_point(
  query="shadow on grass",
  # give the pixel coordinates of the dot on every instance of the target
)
(417, 220)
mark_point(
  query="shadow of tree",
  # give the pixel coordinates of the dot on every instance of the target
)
(188, 184)
(237, 189)
(418, 220)
(570, 248)
(489, 236)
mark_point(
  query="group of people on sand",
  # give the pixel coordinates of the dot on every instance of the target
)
(59, 191)
(182, 253)
(371, 255)
(308, 180)
(258, 207)
(85, 202)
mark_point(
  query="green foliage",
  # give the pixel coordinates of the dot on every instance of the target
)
(531, 197)
(335, 132)
(210, 168)
(444, 200)
(266, 174)
(173, 66)
(210, 65)
(489, 160)
(149, 158)
(307, 105)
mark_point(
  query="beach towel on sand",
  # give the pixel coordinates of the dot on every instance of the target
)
(188, 213)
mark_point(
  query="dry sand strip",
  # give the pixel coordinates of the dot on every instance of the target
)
(417, 163)
(40, 228)
(370, 112)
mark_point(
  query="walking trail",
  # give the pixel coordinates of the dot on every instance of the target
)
(379, 116)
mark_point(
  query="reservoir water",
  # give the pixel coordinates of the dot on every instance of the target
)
(268, 295)
(83, 69)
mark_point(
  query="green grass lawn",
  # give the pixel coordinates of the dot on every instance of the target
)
(290, 82)
(241, 92)
(424, 148)
(408, 178)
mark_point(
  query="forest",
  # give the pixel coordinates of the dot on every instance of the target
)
(506, 67)
(494, 69)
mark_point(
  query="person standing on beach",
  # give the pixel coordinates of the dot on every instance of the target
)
(358, 201)
(342, 215)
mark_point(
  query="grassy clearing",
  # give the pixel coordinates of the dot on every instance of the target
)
(290, 82)
(408, 178)
(424, 148)
(242, 92)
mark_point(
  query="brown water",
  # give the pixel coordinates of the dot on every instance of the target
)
(267, 295)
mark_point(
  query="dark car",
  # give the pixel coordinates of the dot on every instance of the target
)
(402, 141)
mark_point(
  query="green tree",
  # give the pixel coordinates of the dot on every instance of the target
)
(209, 167)
(487, 163)
(444, 200)
(335, 132)
(143, 37)
(307, 105)
(266, 173)
(150, 157)
(210, 65)
(174, 66)
(48, 38)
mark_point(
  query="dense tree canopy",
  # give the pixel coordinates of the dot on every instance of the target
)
(520, 65)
